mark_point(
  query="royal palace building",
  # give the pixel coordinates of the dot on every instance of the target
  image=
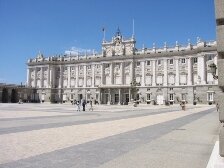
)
(121, 73)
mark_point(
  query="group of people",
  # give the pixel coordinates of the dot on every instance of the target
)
(83, 104)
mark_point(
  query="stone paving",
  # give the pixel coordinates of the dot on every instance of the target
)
(45, 135)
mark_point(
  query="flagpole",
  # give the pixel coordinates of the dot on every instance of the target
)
(133, 28)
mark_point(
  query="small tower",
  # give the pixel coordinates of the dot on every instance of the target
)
(118, 46)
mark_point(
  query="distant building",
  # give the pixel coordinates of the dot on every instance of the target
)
(162, 75)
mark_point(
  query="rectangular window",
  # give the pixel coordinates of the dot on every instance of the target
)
(107, 65)
(148, 96)
(159, 80)
(137, 64)
(210, 96)
(171, 79)
(148, 62)
(195, 60)
(210, 57)
(183, 61)
(183, 79)
(159, 62)
(89, 67)
(171, 97)
(171, 61)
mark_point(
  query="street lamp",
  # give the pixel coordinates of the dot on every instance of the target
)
(213, 68)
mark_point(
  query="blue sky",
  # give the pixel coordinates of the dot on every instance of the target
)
(54, 26)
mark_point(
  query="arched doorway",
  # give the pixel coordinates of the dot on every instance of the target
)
(14, 96)
(5, 95)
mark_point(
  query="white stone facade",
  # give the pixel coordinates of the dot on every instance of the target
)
(168, 74)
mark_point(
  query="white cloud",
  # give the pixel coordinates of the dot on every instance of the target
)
(79, 51)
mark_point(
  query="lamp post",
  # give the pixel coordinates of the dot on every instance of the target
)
(213, 68)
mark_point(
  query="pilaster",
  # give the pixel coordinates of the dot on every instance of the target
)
(131, 71)
(28, 77)
(41, 77)
(202, 69)
(61, 77)
(177, 76)
(77, 76)
(122, 73)
(153, 73)
(35, 77)
(85, 75)
(165, 72)
(189, 71)
(93, 75)
(143, 73)
(102, 74)
(48, 77)
(112, 73)
(69, 76)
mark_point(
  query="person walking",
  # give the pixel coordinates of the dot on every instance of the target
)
(78, 106)
(91, 105)
(217, 107)
(83, 105)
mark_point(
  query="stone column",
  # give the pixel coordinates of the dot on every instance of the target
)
(85, 75)
(102, 74)
(93, 75)
(189, 71)
(28, 77)
(202, 69)
(112, 73)
(122, 73)
(69, 76)
(100, 97)
(153, 73)
(143, 73)
(119, 92)
(77, 76)
(109, 97)
(165, 72)
(177, 77)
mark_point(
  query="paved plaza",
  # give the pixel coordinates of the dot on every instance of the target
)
(58, 136)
